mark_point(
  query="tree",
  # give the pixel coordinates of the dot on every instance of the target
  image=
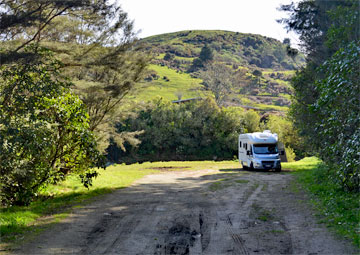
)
(93, 22)
(286, 41)
(206, 56)
(251, 121)
(192, 130)
(44, 130)
(338, 108)
(312, 19)
(288, 135)
(218, 78)
(95, 41)
(326, 102)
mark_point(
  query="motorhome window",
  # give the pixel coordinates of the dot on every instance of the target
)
(265, 149)
(240, 144)
(245, 146)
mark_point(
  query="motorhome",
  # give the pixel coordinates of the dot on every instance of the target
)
(259, 151)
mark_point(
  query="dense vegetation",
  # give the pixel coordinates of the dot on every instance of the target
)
(44, 130)
(326, 107)
(52, 125)
(195, 130)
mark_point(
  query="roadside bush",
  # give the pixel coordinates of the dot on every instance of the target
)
(290, 154)
(288, 135)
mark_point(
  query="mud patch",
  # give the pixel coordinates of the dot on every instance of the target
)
(178, 240)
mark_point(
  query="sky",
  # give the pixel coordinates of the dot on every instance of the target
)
(152, 17)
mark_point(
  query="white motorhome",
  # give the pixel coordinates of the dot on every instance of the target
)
(259, 151)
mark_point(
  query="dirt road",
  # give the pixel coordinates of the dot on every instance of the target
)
(200, 212)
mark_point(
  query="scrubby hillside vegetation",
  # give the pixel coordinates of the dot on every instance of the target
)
(178, 50)
(257, 69)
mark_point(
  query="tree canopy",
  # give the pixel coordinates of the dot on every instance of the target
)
(70, 117)
(326, 104)
(44, 130)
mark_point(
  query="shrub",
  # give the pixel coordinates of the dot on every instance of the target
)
(44, 131)
(187, 131)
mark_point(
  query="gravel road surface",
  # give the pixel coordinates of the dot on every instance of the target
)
(195, 212)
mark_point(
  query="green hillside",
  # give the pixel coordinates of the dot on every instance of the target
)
(171, 77)
(229, 47)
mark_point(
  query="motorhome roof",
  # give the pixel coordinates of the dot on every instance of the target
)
(261, 137)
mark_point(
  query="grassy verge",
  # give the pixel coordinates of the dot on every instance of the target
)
(56, 201)
(339, 210)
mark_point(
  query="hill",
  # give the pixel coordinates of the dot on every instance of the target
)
(229, 47)
(172, 77)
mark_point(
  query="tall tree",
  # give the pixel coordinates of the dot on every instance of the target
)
(95, 41)
(29, 21)
(218, 78)
(206, 56)
(326, 103)
(44, 130)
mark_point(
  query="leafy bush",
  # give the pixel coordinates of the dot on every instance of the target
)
(326, 105)
(288, 135)
(338, 109)
(44, 131)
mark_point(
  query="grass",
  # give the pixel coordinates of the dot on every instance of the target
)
(309, 163)
(177, 83)
(262, 213)
(338, 209)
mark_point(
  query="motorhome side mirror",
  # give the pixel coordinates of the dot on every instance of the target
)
(248, 153)
(282, 153)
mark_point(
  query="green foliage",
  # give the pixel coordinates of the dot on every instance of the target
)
(288, 135)
(233, 55)
(338, 108)
(102, 86)
(290, 154)
(251, 121)
(218, 78)
(206, 54)
(257, 73)
(95, 41)
(44, 130)
(179, 82)
(193, 130)
(326, 102)
(83, 22)
(227, 47)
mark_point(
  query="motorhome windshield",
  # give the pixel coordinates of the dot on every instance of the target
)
(265, 149)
